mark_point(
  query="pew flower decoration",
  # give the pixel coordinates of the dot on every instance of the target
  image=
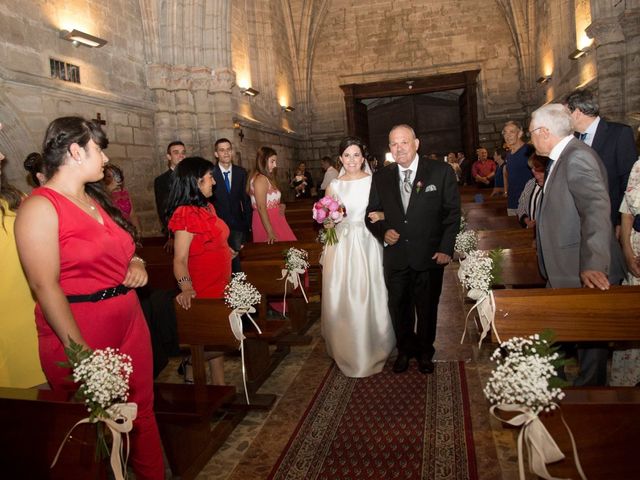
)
(329, 212)
(296, 263)
(103, 385)
(240, 295)
(477, 273)
(524, 382)
(463, 222)
(466, 241)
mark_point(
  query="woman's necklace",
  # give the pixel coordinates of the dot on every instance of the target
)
(90, 206)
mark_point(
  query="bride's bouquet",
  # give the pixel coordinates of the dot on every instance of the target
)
(329, 212)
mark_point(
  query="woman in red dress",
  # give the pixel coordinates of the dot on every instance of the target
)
(78, 254)
(201, 254)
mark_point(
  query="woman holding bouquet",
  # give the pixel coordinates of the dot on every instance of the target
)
(201, 254)
(269, 223)
(356, 324)
(78, 254)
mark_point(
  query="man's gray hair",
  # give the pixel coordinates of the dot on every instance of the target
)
(403, 125)
(554, 116)
(584, 101)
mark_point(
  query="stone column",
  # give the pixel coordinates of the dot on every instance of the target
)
(610, 55)
(630, 23)
(221, 82)
(158, 80)
(200, 81)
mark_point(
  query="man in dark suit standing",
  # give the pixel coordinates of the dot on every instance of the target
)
(613, 142)
(176, 152)
(230, 197)
(421, 205)
(576, 244)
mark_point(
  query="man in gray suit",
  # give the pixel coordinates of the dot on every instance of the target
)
(576, 245)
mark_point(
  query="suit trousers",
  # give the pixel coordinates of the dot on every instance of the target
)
(414, 295)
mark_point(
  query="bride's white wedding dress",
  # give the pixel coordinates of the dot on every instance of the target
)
(356, 324)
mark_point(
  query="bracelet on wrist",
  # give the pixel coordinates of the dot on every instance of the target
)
(183, 280)
(138, 259)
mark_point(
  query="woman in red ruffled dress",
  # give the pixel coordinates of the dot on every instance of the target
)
(202, 256)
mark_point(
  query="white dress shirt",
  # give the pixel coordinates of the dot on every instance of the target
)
(554, 155)
(591, 131)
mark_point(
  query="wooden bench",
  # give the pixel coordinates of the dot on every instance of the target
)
(511, 238)
(206, 324)
(502, 222)
(519, 269)
(606, 426)
(574, 314)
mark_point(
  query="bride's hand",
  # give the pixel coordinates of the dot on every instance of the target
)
(376, 216)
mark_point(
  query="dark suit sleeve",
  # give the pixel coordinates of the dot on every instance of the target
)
(379, 228)
(450, 212)
(626, 156)
(160, 195)
(247, 211)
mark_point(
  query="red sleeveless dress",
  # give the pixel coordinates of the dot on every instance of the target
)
(94, 257)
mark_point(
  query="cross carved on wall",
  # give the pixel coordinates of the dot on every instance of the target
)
(99, 120)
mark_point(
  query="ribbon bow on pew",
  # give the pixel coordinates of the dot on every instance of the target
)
(292, 276)
(235, 321)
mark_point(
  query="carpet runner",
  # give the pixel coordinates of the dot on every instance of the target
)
(408, 426)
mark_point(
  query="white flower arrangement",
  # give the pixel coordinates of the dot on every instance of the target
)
(475, 273)
(296, 259)
(525, 374)
(466, 241)
(463, 222)
(239, 293)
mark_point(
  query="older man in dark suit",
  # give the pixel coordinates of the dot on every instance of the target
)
(613, 142)
(230, 197)
(421, 205)
(576, 245)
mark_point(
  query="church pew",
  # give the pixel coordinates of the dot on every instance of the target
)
(501, 222)
(206, 324)
(511, 238)
(574, 314)
(519, 269)
(265, 275)
(606, 426)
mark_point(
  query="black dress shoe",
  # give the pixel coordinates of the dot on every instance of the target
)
(425, 364)
(401, 364)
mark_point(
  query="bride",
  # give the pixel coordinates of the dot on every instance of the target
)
(356, 324)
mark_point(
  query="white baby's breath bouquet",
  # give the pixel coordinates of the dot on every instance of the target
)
(296, 259)
(463, 222)
(239, 293)
(475, 273)
(525, 374)
(466, 241)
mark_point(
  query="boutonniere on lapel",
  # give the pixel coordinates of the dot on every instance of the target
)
(419, 186)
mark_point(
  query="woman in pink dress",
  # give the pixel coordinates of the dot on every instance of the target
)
(114, 182)
(269, 223)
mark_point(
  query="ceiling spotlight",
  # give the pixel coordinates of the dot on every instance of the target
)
(544, 79)
(76, 37)
(577, 53)
(287, 108)
(250, 92)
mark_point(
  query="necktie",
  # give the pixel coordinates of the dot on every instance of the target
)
(583, 137)
(406, 189)
(227, 183)
(547, 170)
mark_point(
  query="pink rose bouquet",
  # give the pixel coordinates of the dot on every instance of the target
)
(328, 211)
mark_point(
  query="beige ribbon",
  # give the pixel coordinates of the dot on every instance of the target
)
(486, 307)
(292, 276)
(120, 420)
(541, 447)
(235, 321)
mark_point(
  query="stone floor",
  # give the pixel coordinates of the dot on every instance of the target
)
(256, 444)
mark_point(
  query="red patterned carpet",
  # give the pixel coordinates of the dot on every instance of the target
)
(409, 426)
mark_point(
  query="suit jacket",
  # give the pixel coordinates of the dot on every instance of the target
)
(574, 230)
(431, 222)
(233, 207)
(616, 147)
(161, 189)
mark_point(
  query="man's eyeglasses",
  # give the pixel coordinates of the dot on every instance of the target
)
(531, 131)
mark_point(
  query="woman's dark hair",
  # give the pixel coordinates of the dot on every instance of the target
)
(537, 162)
(34, 164)
(349, 141)
(184, 187)
(60, 135)
(11, 195)
(262, 160)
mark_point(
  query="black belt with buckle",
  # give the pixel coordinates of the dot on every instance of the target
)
(100, 295)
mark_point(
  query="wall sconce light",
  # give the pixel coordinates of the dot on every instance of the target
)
(577, 53)
(287, 108)
(76, 37)
(544, 79)
(250, 92)
(237, 126)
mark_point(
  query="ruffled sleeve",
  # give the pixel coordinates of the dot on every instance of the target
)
(188, 218)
